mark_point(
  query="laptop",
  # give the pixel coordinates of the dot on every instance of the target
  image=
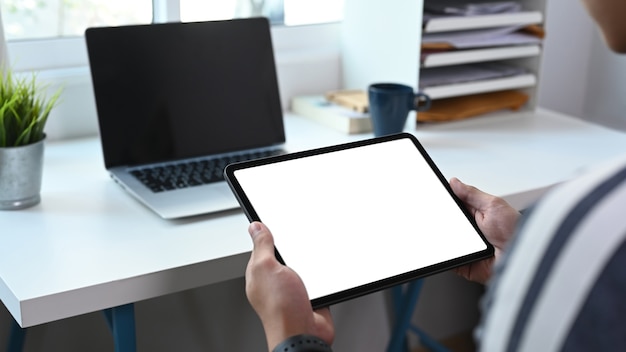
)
(177, 99)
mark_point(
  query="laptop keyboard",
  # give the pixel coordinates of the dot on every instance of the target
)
(193, 173)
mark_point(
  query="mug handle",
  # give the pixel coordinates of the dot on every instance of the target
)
(421, 102)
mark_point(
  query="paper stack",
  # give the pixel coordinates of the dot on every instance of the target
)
(463, 8)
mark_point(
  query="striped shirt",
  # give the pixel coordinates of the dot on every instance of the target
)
(562, 284)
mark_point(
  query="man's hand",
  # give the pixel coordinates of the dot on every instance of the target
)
(495, 218)
(278, 295)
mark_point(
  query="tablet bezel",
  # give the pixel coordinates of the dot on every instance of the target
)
(251, 214)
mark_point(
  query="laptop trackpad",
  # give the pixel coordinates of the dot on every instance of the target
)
(194, 200)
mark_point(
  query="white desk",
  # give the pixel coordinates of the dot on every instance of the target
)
(89, 246)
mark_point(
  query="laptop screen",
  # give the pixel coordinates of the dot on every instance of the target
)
(180, 90)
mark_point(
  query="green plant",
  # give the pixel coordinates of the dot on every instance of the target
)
(23, 110)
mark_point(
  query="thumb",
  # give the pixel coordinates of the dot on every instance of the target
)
(471, 196)
(261, 238)
(459, 188)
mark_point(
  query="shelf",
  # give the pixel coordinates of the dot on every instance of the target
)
(442, 43)
(442, 24)
(479, 55)
(455, 90)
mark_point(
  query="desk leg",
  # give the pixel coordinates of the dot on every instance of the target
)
(404, 305)
(16, 339)
(121, 321)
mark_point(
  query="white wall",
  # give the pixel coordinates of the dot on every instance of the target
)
(579, 75)
(565, 58)
(380, 42)
(606, 86)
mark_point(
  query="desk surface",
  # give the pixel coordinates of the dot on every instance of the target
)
(89, 246)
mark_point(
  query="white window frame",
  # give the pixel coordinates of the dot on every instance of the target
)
(71, 52)
(56, 53)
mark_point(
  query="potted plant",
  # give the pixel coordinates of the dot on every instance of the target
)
(24, 111)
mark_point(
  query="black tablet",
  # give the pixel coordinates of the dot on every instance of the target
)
(356, 218)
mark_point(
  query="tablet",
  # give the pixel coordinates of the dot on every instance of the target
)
(355, 218)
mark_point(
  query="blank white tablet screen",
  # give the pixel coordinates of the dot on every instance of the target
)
(356, 216)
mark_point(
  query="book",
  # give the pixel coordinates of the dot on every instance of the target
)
(318, 108)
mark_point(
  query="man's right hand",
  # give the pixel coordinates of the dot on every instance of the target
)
(495, 218)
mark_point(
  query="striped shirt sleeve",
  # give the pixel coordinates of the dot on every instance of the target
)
(562, 284)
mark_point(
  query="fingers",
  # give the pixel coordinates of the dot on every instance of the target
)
(325, 326)
(323, 316)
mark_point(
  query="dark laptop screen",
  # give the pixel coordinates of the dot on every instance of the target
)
(177, 90)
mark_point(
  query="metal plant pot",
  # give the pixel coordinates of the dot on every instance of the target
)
(20, 176)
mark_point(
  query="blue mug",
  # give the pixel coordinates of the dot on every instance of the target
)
(390, 104)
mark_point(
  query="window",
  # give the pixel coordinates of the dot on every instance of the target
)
(47, 34)
(287, 12)
(198, 10)
(40, 19)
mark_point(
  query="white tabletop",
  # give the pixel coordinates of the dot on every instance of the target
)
(90, 246)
